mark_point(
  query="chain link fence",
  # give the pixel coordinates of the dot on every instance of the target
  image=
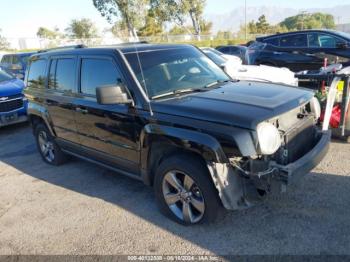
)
(43, 43)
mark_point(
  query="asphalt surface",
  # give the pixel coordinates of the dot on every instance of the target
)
(80, 208)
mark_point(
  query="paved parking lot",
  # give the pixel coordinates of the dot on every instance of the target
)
(80, 208)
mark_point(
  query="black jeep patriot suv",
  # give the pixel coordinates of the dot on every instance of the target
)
(167, 115)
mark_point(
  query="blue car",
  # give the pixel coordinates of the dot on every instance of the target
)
(16, 64)
(13, 104)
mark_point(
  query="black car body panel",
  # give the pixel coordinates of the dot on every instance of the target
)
(303, 50)
(218, 123)
(241, 104)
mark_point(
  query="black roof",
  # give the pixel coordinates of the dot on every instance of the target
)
(124, 48)
(334, 32)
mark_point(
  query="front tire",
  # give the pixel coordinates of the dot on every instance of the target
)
(185, 192)
(48, 148)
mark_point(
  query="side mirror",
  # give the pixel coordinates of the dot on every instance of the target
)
(223, 67)
(16, 67)
(111, 95)
(342, 45)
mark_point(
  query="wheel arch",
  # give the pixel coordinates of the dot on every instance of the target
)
(38, 114)
(160, 142)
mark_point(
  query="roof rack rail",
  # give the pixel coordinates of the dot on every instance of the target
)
(120, 44)
(63, 48)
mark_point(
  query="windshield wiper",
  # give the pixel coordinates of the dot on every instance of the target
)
(176, 92)
(215, 83)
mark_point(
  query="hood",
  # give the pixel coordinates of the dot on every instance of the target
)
(242, 104)
(11, 87)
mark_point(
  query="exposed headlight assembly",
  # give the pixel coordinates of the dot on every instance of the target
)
(315, 107)
(269, 138)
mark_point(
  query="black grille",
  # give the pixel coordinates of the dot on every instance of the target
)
(8, 106)
(297, 142)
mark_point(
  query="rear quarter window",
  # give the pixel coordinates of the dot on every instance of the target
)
(37, 74)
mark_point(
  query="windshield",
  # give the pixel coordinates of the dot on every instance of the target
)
(216, 58)
(343, 34)
(175, 69)
(5, 76)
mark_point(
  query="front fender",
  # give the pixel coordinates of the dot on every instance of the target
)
(203, 144)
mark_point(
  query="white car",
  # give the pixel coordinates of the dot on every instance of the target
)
(233, 67)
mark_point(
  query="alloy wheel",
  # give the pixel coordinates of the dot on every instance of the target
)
(46, 147)
(183, 197)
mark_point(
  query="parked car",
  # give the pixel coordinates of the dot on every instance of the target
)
(13, 104)
(302, 50)
(169, 116)
(15, 64)
(236, 50)
(262, 73)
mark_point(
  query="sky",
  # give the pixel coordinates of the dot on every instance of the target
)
(22, 18)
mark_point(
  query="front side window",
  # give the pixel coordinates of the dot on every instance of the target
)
(174, 69)
(36, 76)
(299, 40)
(96, 73)
(65, 74)
(323, 40)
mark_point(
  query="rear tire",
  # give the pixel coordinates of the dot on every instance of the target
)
(49, 150)
(185, 192)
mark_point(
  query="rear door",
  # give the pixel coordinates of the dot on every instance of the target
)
(108, 132)
(62, 90)
(296, 54)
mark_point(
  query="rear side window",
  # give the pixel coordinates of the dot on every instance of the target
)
(36, 75)
(272, 41)
(97, 72)
(64, 79)
(299, 40)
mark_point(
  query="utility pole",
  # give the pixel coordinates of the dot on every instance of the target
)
(245, 20)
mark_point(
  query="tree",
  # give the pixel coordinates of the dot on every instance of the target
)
(152, 27)
(119, 29)
(131, 12)
(224, 35)
(308, 21)
(251, 27)
(262, 26)
(3, 42)
(205, 26)
(82, 29)
(179, 11)
(43, 32)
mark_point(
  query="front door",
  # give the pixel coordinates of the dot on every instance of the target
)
(108, 132)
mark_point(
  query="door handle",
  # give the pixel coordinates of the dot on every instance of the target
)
(81, 110)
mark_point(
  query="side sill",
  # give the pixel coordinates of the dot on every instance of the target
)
(124, 173)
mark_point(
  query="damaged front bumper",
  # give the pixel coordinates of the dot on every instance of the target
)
(239, 190)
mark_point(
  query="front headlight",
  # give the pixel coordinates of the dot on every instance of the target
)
(315, 107)
(269, 138)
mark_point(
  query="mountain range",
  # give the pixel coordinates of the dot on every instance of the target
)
(232, 20)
